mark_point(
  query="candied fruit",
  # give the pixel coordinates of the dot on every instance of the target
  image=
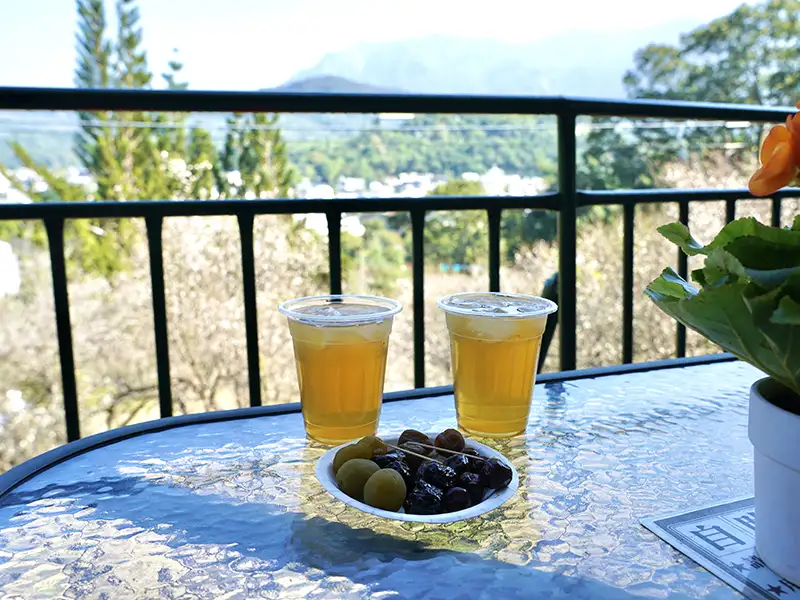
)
(376, 445)
(348, 453)
(385, 460)
(455, 499)
(414, 454)
(495, 474)
(424, 499)
(450, 439)
(404, 470)
(412, 435)
(472, 483)
(385, 489)
(353, 476)
(437, 474)
(459, 463)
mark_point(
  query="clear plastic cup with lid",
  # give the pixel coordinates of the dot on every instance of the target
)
(340, 346)
(495, 340)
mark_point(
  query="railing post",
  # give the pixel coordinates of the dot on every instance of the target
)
(776, 212)
(250, 307)
(730, 210)
(154, 226)
(334, 219)
(683, 271)
(494, 216)
(628, 216)
(567, 239)
(418, 262)
(55, 238)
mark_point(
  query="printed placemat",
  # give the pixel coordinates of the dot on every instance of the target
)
(721, 538)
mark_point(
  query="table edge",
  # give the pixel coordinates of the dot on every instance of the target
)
(23, 472)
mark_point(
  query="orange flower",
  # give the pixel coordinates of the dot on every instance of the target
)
(780, 158)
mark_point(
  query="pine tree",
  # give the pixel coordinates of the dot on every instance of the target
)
(263, 161)
(201, 163)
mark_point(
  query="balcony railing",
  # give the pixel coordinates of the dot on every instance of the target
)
(566, 202)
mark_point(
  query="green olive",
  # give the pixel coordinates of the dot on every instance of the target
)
(353, 476)
(348, 453)
(376, 445)
(385, 489)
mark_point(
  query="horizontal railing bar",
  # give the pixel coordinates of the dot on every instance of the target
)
(623, 197)
(233, 207)
(186, 208)
(88, 100)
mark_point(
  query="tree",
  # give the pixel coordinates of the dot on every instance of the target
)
(263, 162)
(202, 161)
(747, 57)
(458, 237)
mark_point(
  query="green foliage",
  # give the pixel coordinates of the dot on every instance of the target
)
(749, 301)
(747, 57)
(444, 144)
(375, 261)
(134, 155)
(263, 162)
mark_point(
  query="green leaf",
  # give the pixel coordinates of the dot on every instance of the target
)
(678, 234)
(671, 285)
(772, 279)
(796, 223)
(788, 312)
(722, 265)
(732, 317)
(752, 243)
(765, 254)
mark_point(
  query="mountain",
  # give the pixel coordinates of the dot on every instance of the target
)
(580, 63)
(331, 84)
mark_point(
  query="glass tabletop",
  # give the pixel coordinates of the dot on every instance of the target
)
(233, 510)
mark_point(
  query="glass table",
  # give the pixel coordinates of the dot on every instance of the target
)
(232, 509)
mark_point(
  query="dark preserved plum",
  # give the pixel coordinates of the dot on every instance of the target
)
(384, 460)
(472, 483)
(437, 474)
(405, 472)
(495, 474)
(455, 499)
(459, 463)
(415, 449)
(412, 435)
(424, 499)
(450, 439)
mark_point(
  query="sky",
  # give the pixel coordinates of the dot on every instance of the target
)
(251, 44)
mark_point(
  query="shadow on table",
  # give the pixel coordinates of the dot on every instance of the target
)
(312, 546)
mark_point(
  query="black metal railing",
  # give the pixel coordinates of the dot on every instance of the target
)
(566, 201)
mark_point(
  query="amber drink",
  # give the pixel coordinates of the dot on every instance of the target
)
(494, 351)
(340, 345)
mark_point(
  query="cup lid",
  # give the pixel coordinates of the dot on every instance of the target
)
(340, 309)
(497, 305)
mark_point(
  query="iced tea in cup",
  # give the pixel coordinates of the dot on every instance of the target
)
(340, 345)
(494, 350)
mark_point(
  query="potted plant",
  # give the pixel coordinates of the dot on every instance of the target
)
(748, 302)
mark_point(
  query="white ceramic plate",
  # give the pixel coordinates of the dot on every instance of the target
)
(328, 481)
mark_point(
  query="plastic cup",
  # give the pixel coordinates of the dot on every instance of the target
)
(494, 349)
(340, 344)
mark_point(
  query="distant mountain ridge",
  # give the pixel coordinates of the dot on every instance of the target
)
(580, 63)
(331, 84)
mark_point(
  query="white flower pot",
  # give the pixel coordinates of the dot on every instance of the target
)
(775, 434)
